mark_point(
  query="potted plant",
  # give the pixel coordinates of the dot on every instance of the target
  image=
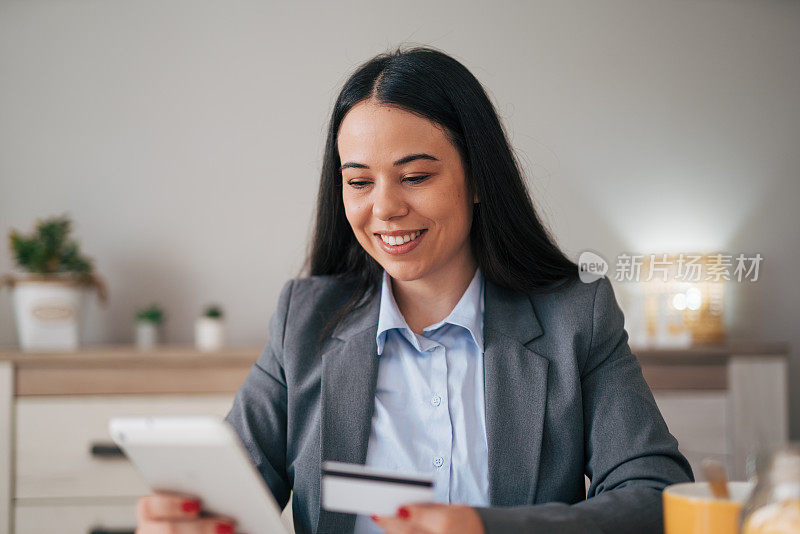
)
(49, 288)
(209, 329)
(148, 326)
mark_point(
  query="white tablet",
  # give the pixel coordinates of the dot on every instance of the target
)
(201, 456)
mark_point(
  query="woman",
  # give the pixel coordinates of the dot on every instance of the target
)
(443, 331)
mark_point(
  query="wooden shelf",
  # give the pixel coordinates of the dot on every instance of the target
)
(718, 353)
(123, 370)
(702, 367)
(166, 355)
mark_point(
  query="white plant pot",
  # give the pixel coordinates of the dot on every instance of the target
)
(49, 314)
(209, 334)
(146, 335)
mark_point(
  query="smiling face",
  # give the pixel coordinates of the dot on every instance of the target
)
(401, 176)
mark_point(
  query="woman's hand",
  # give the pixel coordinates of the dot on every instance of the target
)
(177, 514)
(432, 519)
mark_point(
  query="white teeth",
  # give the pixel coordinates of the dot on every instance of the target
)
(399, 240)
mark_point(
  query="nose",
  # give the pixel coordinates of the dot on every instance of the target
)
(388, 202)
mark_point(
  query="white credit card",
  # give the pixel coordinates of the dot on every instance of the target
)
(356, 489)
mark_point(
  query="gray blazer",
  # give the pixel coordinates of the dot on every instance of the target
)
(564, 397)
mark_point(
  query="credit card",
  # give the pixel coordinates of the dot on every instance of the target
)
(356, 489)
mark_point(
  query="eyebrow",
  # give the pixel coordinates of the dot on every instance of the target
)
(401, 161)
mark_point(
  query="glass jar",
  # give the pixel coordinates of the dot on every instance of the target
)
(774, 504)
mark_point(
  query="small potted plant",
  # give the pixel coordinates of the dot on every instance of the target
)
(50, 285)
(209, 330)
(148, 326)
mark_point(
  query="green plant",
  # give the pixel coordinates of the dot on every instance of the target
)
(152, 313)
(49, 249)
(213, 311)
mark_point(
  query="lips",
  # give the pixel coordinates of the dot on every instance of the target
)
(405, 248)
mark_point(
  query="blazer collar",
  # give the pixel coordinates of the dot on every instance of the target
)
(467, 314)
(515, 393)
(506, 311)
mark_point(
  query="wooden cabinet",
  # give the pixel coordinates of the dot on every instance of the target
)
(62, 443)
(67, 477)
(59, 469)
(721, 401)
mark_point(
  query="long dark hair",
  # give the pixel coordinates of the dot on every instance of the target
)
(510, 243)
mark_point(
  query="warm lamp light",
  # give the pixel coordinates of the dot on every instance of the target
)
(683, 299)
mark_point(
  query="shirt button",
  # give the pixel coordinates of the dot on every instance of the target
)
(436, 400)
(438, 462)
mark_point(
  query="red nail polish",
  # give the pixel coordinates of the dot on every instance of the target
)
(190, 506)
(223, 528)
(374, 517)
(403, 512)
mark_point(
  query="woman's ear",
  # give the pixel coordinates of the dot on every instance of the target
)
(475, 199)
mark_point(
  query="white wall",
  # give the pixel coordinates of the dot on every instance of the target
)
(185, 137)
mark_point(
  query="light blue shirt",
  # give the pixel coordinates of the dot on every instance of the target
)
(429, 403)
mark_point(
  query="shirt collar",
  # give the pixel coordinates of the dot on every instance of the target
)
(468, 313)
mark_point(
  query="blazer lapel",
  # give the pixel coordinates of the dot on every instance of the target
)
(515, 384)
(349, 378)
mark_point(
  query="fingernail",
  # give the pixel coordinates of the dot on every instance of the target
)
(190, 506)
(223, 528)
(403, 512)
(374, 518)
